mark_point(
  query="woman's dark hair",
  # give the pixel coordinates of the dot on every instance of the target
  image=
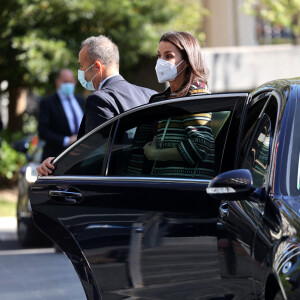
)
(190, 50)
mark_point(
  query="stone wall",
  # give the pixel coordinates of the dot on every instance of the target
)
(246, 67)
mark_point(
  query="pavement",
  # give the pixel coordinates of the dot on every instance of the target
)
(34, 274)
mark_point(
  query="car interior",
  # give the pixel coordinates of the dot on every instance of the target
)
(126, 151)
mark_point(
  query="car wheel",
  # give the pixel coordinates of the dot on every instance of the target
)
(278, 296)
(29, 235)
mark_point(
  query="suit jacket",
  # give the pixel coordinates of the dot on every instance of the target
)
(53, 124)
(115, 96)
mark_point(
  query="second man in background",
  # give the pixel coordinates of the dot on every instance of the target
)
(60, 115)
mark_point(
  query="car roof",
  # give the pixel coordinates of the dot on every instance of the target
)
(278, 85)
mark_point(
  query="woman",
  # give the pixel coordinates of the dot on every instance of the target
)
(183, 145)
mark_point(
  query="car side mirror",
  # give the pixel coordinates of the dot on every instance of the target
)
(232, 185)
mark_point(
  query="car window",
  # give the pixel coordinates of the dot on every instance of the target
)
(114, 148)
(87, 157)
(257, 139)
(193, 135)
(298, 175)
(292, 146)
(258, 155)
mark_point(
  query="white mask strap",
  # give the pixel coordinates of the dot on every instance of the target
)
(181, 71)
(88, 67)
(180, 63)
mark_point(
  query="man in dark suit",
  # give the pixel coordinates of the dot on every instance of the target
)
(99, 72)
(60, 115)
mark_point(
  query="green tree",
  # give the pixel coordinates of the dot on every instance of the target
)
(38, 37)
(278, 12)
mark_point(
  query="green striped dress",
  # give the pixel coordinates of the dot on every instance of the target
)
(190, 134)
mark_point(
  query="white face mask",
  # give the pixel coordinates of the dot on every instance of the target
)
(166, 71)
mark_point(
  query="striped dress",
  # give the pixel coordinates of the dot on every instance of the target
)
(190, 134)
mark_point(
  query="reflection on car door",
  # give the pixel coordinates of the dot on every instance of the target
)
(136, 235)
(239, 221)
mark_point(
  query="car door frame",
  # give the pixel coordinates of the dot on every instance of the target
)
(71, 248)
(232, 207)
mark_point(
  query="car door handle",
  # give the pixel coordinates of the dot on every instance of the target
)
(223, 211)
(65, 196)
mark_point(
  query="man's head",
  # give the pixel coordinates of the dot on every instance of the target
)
(65, 82)
(98, 58)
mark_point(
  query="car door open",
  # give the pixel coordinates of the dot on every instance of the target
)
(140, 230)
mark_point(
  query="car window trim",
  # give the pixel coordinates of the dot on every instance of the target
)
(109, 149)
(274, 141)
(110, 140)
(126, 179)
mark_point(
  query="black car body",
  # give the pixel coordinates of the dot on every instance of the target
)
(134, 236)
(28, 234)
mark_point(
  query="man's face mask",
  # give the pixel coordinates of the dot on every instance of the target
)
(86, 84)
(67, 88)
(166, 71)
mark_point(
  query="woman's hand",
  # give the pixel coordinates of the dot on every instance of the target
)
(152, 153)
(150, 150)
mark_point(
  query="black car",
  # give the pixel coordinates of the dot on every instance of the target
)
(132, 235)
(28, 234)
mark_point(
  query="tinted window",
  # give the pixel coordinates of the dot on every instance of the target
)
(257, 139)
(293, 157)
(87, 157)
(258, 155)
(194, 137)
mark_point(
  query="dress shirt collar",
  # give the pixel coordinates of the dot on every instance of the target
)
(101, 84)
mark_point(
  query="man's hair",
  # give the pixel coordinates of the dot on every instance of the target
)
(58, 74)
(102, 48)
